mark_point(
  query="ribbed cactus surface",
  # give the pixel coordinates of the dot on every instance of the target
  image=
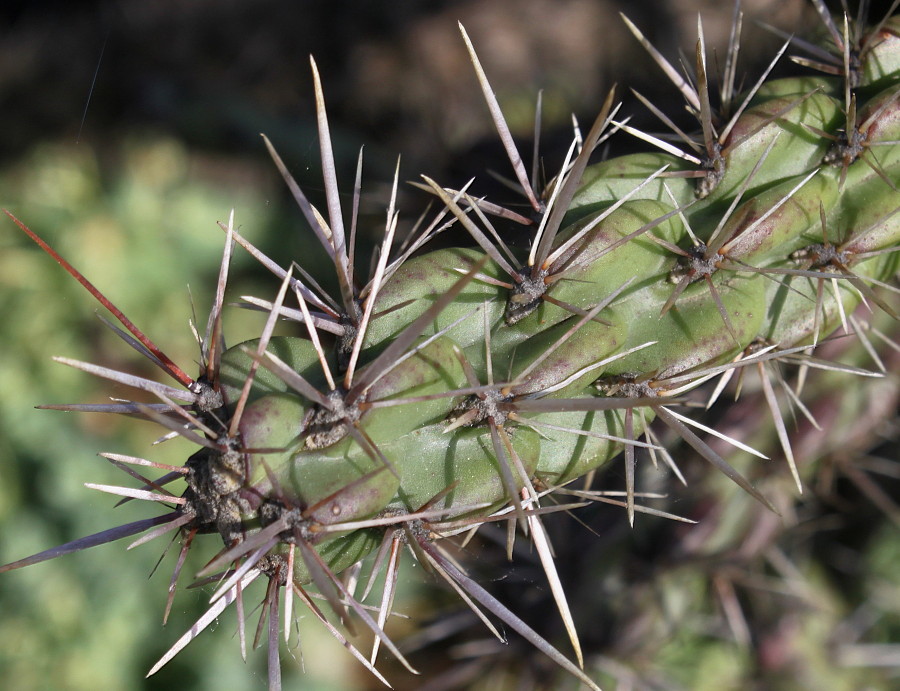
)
(462, 386)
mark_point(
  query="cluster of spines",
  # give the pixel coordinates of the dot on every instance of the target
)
(465, 385)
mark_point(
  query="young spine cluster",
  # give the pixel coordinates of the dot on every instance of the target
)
(463, 386)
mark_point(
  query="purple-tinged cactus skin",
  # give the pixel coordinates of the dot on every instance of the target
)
(469, 386)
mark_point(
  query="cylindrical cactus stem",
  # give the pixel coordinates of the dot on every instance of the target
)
(461, 386)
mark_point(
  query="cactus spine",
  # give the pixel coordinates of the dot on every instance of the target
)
(466, 385)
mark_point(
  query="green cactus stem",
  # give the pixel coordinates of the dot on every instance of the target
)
(468, 386)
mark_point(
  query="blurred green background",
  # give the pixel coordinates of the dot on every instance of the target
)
(127, 129)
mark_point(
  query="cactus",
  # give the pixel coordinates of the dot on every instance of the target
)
(462, 387)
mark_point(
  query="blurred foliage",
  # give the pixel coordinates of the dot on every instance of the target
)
(140, 229)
